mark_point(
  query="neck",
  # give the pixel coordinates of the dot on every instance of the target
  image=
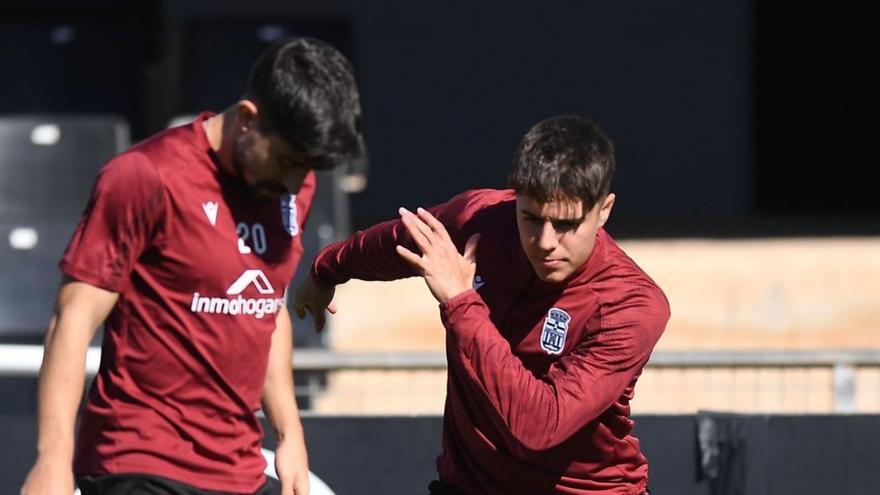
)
(221, 137)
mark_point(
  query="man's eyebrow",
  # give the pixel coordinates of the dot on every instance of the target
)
(530, 214)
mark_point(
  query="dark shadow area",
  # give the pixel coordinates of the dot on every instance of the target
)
(79, 57)
(816, 105)
(739, 453)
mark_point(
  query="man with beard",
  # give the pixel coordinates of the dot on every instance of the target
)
(184, 253)
(548, 323)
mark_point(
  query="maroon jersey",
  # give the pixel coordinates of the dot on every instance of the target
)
(201, 267)
(540, 375)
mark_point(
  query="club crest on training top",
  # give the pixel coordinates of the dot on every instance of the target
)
(555, 329)
(288, 214)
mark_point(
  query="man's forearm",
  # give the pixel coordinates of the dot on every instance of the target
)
(279, 405)
(574, 391)
(79, 310)
(366, 255)
(62, 377)
(279, 402)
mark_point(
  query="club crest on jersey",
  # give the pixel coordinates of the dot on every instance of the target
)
(555, 328)
(288, 214)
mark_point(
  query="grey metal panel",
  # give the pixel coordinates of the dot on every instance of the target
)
(48, 165)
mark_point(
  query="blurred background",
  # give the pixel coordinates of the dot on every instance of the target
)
(744, 132)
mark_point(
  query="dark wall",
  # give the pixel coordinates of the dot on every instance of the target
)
(730, 118)
(722, 112)
(816, 109)
(448, 92)
(448, 89)
(758, 454)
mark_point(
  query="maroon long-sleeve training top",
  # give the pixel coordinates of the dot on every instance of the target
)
(540, 374)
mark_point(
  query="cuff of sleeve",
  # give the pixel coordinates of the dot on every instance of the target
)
(318, 269)
(320, 282)
(81, 274)
(458, 315)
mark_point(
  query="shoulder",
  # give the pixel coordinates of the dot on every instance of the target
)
(168, 152)
(478, 205)
(483, 198)
(130, 171)
(307, 190)
(129, 182)
(168, 149)
(625, 293)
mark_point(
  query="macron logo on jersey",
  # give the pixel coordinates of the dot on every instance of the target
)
(256, 277)
(239, 305)
(211, 208)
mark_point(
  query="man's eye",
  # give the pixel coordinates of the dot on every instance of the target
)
(565, 226)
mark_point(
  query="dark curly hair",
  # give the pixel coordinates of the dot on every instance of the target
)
(306, 93)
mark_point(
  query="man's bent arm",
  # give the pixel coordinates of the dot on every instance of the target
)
(79, 310)
(279, 405)
(371, 254)
(539, 412)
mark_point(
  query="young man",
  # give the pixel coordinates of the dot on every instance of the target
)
(548, 322)
(184, 253)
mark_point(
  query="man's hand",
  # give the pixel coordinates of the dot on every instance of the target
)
(446, 272)
(315, 299)
(49, 477)
(292, 467)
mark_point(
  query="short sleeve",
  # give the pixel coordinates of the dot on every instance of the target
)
(118, 224)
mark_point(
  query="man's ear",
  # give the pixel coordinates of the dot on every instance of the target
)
(246, 113)
(605, 210)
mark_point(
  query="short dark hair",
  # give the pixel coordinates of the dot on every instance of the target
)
(305, 93)
(566, 157)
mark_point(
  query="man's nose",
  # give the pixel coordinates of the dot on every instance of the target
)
(547, 237)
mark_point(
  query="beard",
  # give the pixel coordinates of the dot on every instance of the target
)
(245, 166)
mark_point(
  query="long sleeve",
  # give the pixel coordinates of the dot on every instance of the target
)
(367, 255)
(370, 254)
(535, 413)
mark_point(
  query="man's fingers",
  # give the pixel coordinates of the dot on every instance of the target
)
(301, 487)
(319, 317)
(470, 248)
(300, 310)
(432, 222)
(319, 322)
(411, 257)
(418, 229)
